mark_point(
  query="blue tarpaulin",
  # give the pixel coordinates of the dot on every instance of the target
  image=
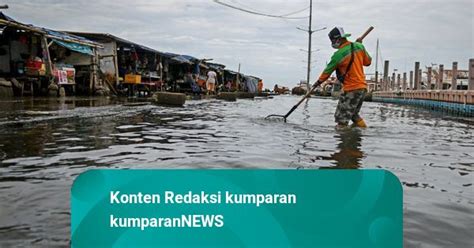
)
(75, 47)
(65, 36)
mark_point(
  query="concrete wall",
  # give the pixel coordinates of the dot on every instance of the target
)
(459, 96)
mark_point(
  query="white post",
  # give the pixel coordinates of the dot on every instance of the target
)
(417, 85)
(430, 76)
(440, 77)
(454, 83)
(404, 81)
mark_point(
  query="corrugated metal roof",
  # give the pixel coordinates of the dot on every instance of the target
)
(182, 59)
(105, 37)
(216, 66)
(62, 36)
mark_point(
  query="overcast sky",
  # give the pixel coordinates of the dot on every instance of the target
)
(429, 31)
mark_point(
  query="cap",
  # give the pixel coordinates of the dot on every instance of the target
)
(337, 33)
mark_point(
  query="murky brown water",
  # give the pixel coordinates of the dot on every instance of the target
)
(46, 143)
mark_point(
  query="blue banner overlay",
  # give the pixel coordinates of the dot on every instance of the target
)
(236, 208)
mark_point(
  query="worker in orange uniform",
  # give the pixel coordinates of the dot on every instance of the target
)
(348, 62)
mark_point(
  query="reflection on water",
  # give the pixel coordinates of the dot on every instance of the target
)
(349, 154)
(45, 144)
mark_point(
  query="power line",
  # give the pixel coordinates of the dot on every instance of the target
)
(255, 10)
(296, 12)
(245, 6)
(285, 16)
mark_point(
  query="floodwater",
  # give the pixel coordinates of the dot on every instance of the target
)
(44, 144)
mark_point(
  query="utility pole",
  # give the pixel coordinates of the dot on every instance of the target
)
(310, 31)
(310, 35)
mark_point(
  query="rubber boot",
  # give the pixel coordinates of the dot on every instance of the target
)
(360, 123)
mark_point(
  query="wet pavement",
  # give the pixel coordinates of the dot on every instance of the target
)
(45, 143)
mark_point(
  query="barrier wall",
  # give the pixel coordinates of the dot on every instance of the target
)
(456, 102)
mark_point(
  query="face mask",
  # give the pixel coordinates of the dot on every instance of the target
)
(336, 43)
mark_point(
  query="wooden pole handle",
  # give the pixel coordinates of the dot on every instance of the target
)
(366, 33)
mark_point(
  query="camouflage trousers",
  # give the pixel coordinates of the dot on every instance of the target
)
(349, 106)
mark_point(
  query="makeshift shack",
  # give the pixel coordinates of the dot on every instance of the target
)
(39, 61)
(126, 64)
(234, 79)
(251, 84)
(187, 74)
(219, 69)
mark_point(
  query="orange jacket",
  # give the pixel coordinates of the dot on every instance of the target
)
(355, 78)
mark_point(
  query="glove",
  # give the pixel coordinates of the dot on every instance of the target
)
(318, 83)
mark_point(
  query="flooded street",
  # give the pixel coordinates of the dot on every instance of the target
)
(46, 143)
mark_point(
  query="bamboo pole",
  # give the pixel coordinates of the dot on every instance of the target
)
(117, 81)
(47, 56)
(93, 73)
